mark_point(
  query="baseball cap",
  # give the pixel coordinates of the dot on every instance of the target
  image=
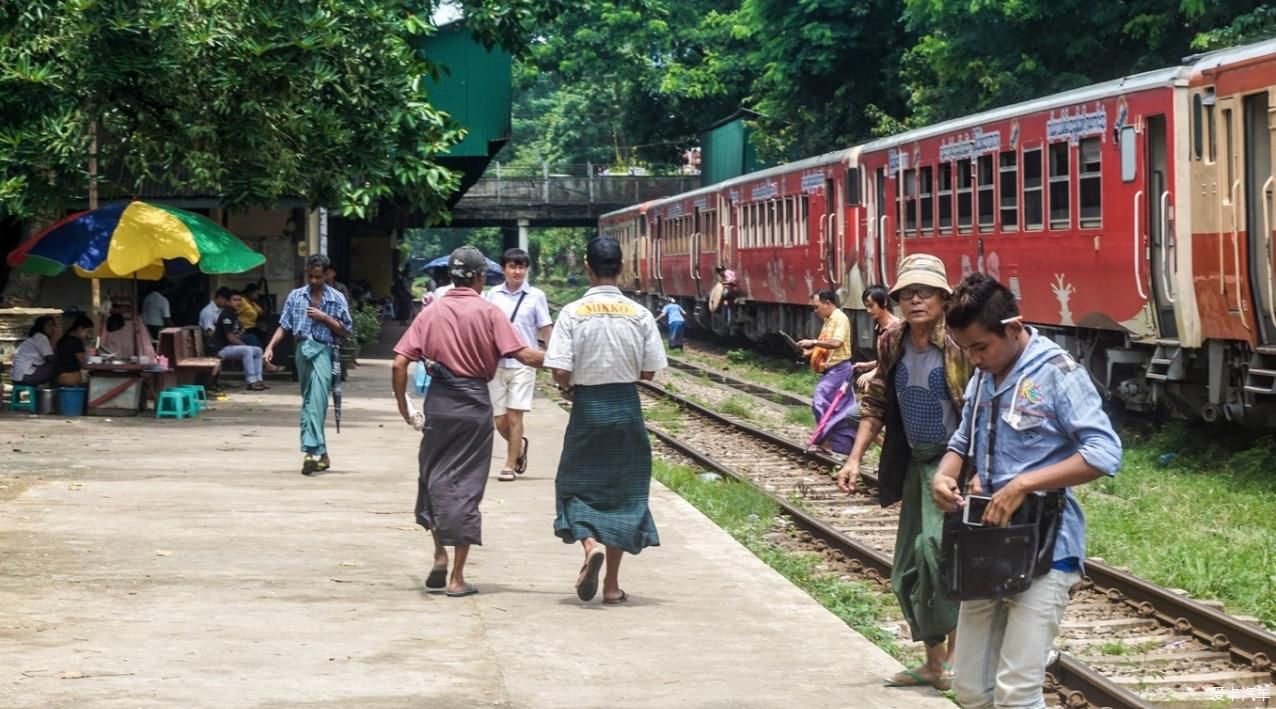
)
(466, 262)
(921, 270)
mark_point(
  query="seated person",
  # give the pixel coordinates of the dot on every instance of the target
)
(228, 342)
(208, 316)
(249, 313)
(33, 361)
(126, 338)
(70, 356)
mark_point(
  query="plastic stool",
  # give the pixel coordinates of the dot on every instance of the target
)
(16, 399)
(197, 393)
(173, 403)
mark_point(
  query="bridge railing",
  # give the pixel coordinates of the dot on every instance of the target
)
(556, 184)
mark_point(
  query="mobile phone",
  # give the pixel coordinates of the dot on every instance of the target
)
(973, 513)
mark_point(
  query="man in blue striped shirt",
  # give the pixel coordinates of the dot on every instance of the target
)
(318, 317)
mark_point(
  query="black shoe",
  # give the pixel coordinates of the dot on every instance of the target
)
(310, 465)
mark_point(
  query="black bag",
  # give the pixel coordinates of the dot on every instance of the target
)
(983, 563)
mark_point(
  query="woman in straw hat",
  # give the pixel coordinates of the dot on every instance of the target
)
(916, 393)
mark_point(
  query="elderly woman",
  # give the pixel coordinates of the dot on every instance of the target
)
(33, 360)
(916, 391)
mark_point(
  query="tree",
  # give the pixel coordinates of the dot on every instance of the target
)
(253, 100)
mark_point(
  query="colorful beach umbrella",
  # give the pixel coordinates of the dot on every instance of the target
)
(134, 240)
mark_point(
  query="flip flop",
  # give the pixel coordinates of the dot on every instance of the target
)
(506, 476)
(520, 465)
(587, 582)
(623, 597)
(467, 591)
(914, 679)
(437, 577)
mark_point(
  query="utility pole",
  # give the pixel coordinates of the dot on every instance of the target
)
(96, 285)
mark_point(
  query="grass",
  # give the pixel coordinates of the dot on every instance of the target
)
(666, 415)
(800, 416)
(1195, 512)
(773, 372)
(748, 516)
(737, 406)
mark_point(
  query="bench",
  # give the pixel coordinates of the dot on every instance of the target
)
(184, 348)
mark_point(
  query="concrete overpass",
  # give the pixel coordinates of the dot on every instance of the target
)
(552, 196)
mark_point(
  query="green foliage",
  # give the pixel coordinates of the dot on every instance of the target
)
(367, 324)
(800, 415)
(432, 243)
(737, 406)
(253, 101)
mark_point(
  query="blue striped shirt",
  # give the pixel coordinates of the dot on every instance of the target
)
(294, 318)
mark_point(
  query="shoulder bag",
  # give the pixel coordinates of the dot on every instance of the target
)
(983, 563)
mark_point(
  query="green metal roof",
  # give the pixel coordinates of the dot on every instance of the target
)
(726, 151)
(475, 88)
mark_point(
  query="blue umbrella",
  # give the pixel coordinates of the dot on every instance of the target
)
(493, 268)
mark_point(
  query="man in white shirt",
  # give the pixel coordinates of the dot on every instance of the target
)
(208, 316)
(603, 345)
(156, 312)
(512, 388)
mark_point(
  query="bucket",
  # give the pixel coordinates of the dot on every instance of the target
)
(71, 400)
(46, 401)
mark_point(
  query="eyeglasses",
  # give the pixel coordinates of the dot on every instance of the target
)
(922, 292)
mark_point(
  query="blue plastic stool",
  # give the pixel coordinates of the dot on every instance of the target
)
(17, 401)
(197, 393)
(173, 403)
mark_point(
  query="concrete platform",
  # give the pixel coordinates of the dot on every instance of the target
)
(163, 563)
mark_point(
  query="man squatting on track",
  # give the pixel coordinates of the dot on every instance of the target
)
(1050, 433)
(461, 338)
(511, 390)
(603, 344)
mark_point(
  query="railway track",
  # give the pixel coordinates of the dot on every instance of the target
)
(1124, 642)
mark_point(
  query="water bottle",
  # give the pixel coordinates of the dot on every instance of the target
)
(420, 379)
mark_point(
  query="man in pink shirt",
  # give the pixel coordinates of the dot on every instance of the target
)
(461, 338)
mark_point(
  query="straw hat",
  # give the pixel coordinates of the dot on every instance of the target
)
(921, 270)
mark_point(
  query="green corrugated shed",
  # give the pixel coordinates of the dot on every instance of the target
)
(726, 150)
(476, 88)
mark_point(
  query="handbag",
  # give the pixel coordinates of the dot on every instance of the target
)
(984, 563)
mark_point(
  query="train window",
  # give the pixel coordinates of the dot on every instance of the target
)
(788, 221)
(1230, 157)
(1197, 128)
(965, 206)
(802, 220)
(945, 196)
(1129, 155)
(987, 209)
(926, 199)
(1211, 131)
(910, 201)
(1060, 187)
(1033, 211)
(899, 203)
(771, 219)
(852, 188)
(1009, 185)
(1090, 194)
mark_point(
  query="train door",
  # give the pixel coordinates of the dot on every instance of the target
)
(1259, 185)
(1160, 234)
(697, 233)
(879, 217)
(833, 248)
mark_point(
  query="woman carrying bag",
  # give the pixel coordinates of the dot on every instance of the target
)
(1049, 433)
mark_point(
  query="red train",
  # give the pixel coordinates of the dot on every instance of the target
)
(1133, 219)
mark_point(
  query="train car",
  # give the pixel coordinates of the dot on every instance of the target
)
(629, 227)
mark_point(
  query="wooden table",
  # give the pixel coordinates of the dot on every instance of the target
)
(122, 389)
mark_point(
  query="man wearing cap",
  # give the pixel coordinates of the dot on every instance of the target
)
(602, 345)
(318, 317)
(916, 392)
(461, 338)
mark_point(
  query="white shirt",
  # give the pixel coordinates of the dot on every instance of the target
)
(30, 354)
(532, 315)
(208, 316)
(605, 338)
(155, 309)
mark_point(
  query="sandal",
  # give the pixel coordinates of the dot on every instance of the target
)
(324, 463)
(506, 476)
(520, 465)
(909, 678)
(619, 599)
(309, 465)
(587, 581)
